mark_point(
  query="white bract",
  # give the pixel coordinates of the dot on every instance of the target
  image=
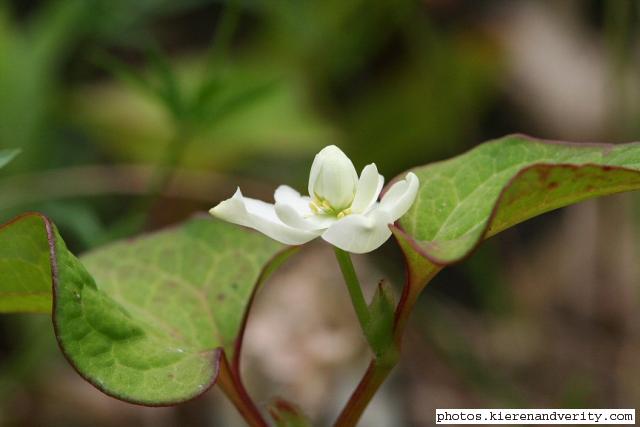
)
(341, 207)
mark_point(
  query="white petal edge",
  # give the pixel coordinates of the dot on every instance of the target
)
(294, 210)
(319, 162)
(397, 201)
(313, 173)
(360, 234)
(290, 216)
(369, 188)
(260, 216)
(286, 195)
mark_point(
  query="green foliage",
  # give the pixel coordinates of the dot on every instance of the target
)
(28, 61)
(437, 79)
(123, 22)
(150, 324)
(246, 111)
(166, 303)
(473, 196)
(146, 320)
(382, 311)
(421, 104)
(6, 156)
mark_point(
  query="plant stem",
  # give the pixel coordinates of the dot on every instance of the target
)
(371, 381)
(233, 388)
(380, 367)
(354, 288)
(419, 273)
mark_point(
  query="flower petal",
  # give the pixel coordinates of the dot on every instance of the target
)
(400, 196)
(260, 216)
(288, 196)
(333, 177)
(294, 210)
(360, 233)
(369, 187)
(293, 218)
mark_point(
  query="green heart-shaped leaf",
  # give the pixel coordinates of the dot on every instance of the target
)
(166, 303)
(466, 199)
(151, 324)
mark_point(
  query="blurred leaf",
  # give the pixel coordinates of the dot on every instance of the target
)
(285, 414)
(125, 72)
(167, 306)
(388, 74)
(333, 38)
(6, 156)
(32, 53)
(159, 83)
(433, 101)
(29, 58)
(169, 86)
(260, 112)
(471, 197)
(122, 21)
(209, 109)
(77, 220)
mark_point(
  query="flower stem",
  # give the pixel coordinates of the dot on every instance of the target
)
(419, 274)
(354, 288)
(371, 381)
(380, 366)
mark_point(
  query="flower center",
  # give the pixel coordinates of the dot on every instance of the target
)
(320, 206)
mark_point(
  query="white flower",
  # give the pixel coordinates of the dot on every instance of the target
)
(341, 207)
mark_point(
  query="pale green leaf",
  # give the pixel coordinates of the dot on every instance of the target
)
(468, 198)
(151, 321)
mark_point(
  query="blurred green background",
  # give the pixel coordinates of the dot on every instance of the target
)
(132, 115)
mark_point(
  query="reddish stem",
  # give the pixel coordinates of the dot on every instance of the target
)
(369, 384)
(231, 384)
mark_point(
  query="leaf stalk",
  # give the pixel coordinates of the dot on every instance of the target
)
(232, 386)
